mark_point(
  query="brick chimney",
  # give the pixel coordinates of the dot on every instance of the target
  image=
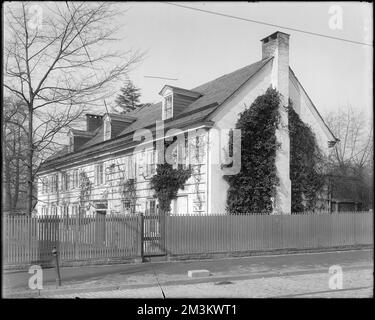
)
(276, 45)
(93, 121)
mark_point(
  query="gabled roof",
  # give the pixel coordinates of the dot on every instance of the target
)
(212, 93)
(221, 88)
(216, 91)
(120, 117)
(315, 110)
(98, 137)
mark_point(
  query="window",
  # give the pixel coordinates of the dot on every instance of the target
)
(128, 207)
(130, 167)
(99, 174)
(75, 179)
(64, 181)
(168, 107)
(44, 185)
(126, 204)
(44, 210)
(74, 210)
(53, 182)
(150, 207)
(150, 163)
(179, 156)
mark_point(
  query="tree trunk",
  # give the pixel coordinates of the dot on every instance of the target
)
(17, 173)
(8, 184)
(30, 182)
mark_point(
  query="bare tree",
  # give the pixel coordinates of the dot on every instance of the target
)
(14, 142)
(351, 163)
(355, 149)
(59, 65)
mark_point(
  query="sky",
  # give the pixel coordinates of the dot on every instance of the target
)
(197, 47)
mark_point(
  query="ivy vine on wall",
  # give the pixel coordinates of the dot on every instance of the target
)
(166, 183)
(253, 189)
(85, 187)
(128, 192)
(306, 162)
(168, 180)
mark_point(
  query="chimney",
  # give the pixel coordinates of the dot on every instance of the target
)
(276, 45)
(93, 121)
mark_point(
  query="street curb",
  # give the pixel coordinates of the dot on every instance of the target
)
(50, 293)
(218, 256)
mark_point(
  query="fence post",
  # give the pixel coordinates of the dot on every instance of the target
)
(162, 222)
(55, 253)
(76, 237)
(140, 236)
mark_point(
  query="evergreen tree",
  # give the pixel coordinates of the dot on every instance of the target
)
(128, 99)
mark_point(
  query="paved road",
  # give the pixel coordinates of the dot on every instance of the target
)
(95, 276)
(356, 284)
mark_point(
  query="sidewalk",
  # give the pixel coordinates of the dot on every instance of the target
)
(356, 284)
(169, 274)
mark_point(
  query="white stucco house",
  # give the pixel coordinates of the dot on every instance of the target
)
(111, 156)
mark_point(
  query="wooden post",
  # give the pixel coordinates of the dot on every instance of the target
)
(57, 268)
(140, 236)
(162, 219)
(76, 235)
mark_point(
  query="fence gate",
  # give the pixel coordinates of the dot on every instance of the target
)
(153, 235)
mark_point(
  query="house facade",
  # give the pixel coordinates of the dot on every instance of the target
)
(106, 169)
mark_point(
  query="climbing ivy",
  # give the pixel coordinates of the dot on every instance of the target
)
(128, 192)
(166, 183)
(253, 189)
(305, 163)
(168, 180)
(85, 187)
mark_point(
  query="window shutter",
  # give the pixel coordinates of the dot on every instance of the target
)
(148, 162)
(127, 167)
(132, 167)
(96, 175)
(141, 164)
(101, 168)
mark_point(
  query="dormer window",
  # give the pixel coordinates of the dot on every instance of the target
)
(176, 100)
(168, 107)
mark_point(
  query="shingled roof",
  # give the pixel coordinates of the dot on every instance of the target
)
(214, 93)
